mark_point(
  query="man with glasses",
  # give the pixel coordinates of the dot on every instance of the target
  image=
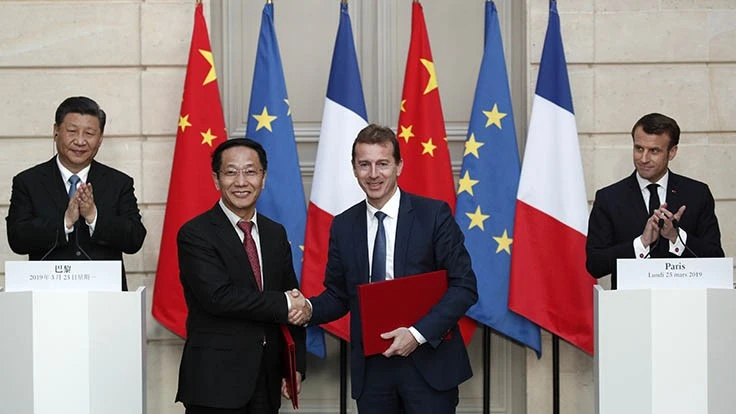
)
(235, 268)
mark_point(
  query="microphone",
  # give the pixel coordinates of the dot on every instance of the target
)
(53, 247)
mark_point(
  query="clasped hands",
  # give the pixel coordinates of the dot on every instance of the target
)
(668, 230)
(301, 309)
(82, 204)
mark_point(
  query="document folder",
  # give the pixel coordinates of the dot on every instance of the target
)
(387, 305)
(290, 366)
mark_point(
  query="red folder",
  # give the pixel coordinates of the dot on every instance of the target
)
(387, 305)
(290, 366)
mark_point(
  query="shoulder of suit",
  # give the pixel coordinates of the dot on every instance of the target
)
(618, 185)
(267, 222)
(38, 168)
(353, 210)
(102, 168)
(680, 180)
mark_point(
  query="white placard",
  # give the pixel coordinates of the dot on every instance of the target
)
(675, 273)
(82, 275)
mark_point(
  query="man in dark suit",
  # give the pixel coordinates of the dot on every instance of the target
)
(653, 212)
(235, 268)
(421, 370)
(54, 212)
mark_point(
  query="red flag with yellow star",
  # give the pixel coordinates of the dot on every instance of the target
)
(422, 139)
(191, 190)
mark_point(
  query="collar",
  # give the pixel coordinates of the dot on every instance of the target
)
(234, 218)
(65, 173)
(391, 208)
(643, 182)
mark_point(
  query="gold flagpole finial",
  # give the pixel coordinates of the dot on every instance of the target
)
(344, 1)
(198, 2)
(268, 2)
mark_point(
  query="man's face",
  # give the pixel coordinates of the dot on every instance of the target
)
(651, 155)
(240, 180)
(376, 171)
(77, 138)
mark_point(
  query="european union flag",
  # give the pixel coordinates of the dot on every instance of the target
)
(486, 195)
(269, 123)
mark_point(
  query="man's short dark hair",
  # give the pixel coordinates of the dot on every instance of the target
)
(80, 105)
(238, 142)
(657, 124)
(376, 134)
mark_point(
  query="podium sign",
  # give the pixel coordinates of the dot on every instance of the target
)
(675, 273)
(90, 276)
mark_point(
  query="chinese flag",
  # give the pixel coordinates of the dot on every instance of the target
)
(191, 189)
(427, 170)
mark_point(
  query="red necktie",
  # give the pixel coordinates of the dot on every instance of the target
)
(251, 250)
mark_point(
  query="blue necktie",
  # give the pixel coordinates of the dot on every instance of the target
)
(378, 270)
(73, 180)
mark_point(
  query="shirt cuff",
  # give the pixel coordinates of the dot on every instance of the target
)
(640, 251)
(92, 225)
(420, 339)
(288, 301)
(678, 247)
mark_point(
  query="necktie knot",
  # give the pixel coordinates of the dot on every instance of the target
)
(73, 181)
(380, 215)
(246, 226)
(654, 202)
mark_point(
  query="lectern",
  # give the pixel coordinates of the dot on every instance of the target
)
(667, 349)
(72, 351)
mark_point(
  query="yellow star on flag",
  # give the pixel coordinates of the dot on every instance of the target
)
(184, 122)
(211, 75)
(494, 117)
(428, 147)
(432, 82)
(471, 146)
(406, 132)
(477, 219)
(288, 107)
(403, 109)
(466, 184)
(207, 137)
(504, 242)
(264, 120)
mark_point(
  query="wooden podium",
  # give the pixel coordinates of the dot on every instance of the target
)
(665, 350)
(73, 351)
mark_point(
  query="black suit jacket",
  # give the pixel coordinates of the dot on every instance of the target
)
(228, 316)
(35, 221)
(427, 239)
(619, 215)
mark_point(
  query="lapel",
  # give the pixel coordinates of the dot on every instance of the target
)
(359, 225)
(268, 245)
(673, 196)
(54, 184)
(97, 177)
(231, 244)
(641, 214)
(403, 230)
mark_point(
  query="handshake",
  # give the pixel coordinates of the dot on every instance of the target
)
(301, 309)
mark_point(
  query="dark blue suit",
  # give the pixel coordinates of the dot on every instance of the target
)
(619, 215)
(427, 239)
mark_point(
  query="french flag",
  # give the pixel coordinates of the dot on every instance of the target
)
(334, 188)
(549, 283)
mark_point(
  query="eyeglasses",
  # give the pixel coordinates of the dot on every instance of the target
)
(247, 172)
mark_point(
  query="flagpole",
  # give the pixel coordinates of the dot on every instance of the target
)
(486, 369)
(555, 374)
(343, 376)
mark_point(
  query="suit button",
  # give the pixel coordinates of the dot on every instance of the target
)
(78, 253)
